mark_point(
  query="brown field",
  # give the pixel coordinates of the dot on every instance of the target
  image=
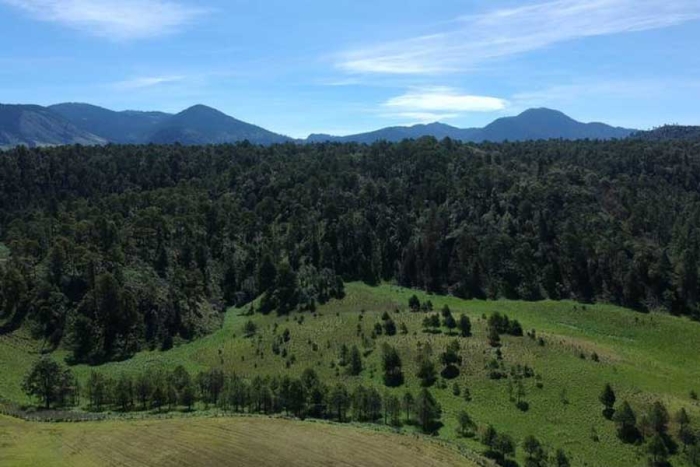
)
(214, 442)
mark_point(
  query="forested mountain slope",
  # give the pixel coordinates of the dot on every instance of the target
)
(118, 248)
(32, 125)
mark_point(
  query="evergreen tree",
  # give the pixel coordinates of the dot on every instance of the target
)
(607, 398)
(355, 363)
(427, 411)
(466, 424)
(465, 326)
(626, 421)
(392, 366)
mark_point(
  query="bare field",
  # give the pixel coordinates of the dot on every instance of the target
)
(214, 442)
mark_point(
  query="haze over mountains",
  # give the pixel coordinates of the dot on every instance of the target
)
(74, 123)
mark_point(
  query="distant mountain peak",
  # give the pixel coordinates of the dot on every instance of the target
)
(201, 108)
(201, 124)
(531, 124)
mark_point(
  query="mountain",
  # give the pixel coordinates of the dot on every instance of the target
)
(203, 125)
(399, 133)
(670, 133)
(128, 127)
(533, 124)
(537, 124)
(32, 125)
(71, 123)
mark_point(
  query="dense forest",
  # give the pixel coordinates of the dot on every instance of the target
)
(118, 248)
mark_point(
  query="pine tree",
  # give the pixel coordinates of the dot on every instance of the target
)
(465, 326)
(607, 398)
(355, 362)
(427, 411)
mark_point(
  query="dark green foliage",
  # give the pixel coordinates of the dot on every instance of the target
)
(686, 435)
(414, 303)
(535, 454)
(427, 411)
(392, 366)
(659, 418)
(608, 398)
(500, 447)
(626, 421)
(431, 324)
(426, 367)
(50, 383)
(466, 424)
(451, 360)
(250, 328)
(340, 402)
(121, 248)
(561, 459)
(390, 327)
(658, 452)
(465, 326)
(355, 362)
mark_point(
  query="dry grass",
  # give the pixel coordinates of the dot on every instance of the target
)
(214, 442)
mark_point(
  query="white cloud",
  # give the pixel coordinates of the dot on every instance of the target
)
(504, 32)
(113, 19)
(147, 82)
(432, 104)
(443, 99)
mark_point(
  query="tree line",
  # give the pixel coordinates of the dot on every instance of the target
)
(304, 397)
(119, 248)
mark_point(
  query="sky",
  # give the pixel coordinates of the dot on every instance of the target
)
(347, 66)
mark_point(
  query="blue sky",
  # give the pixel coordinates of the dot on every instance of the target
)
(346, 66)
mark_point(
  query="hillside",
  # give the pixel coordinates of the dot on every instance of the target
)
(246, 279)
(32, 125)
(128, 127)
(670, 133)
(644, 357)
(203, 125)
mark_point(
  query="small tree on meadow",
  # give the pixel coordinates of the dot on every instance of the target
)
(658, 452)
(49, 382)
(427, 411)
(626, 421)
(249, 329)
(465, 326)
(561, 459)
(685, 431)
(354, 362)
(466, 424)
(608, 398)
(392, 366)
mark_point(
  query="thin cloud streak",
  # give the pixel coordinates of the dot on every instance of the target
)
(147, 82)
(117, 20)
(505, 32)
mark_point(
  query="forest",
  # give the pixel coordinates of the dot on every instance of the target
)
(110, 250)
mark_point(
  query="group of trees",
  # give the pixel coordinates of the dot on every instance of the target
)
(652, 429)
(306, 396)
(117, 248)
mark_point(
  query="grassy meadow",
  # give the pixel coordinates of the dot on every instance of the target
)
(644, 357)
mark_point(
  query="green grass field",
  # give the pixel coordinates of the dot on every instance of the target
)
(645, 358)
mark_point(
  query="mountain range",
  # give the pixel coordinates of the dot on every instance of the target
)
(75, 123)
